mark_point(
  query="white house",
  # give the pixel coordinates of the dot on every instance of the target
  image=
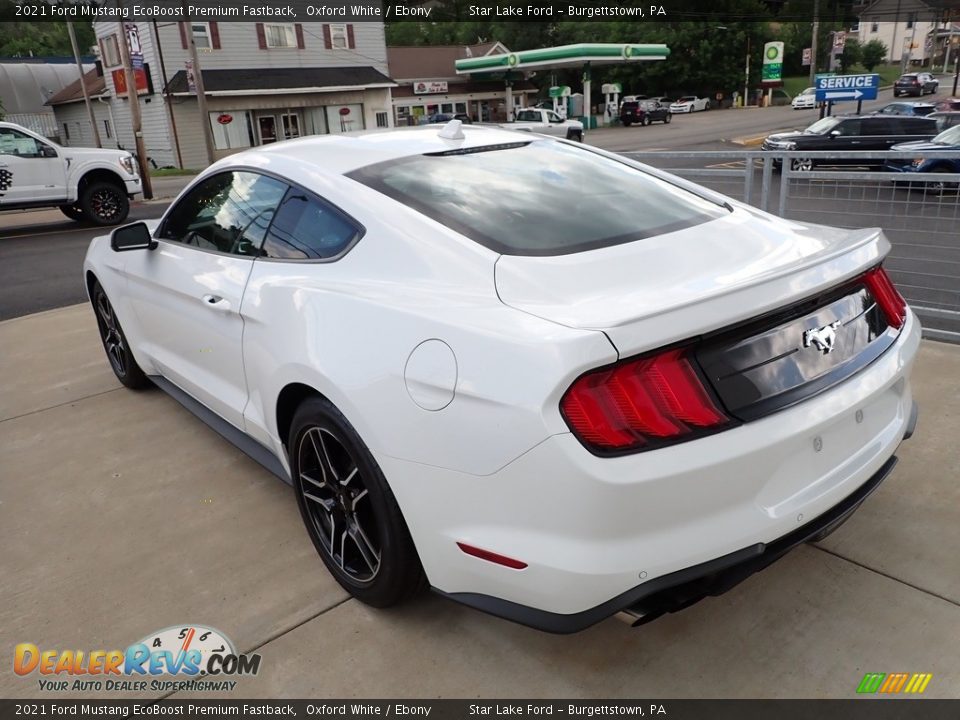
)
(264, 82)
(917, 30)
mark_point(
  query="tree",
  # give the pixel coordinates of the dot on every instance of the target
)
(28, 39)
(852, 54)
(872, 54)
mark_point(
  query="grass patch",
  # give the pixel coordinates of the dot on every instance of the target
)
(171, 172)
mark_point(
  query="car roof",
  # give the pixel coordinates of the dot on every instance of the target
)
(342, 153)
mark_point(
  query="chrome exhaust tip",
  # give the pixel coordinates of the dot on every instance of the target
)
(630, 617)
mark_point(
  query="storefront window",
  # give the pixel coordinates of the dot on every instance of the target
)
(231, 129)
(344, 118)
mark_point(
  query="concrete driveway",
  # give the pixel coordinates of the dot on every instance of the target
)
(121, 514)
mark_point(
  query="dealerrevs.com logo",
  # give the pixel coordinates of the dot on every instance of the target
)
(182, 652)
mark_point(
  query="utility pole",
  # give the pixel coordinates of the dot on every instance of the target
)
(135, 120)
(83, 85)
(187, 29)
(746, 78)
(813, 40)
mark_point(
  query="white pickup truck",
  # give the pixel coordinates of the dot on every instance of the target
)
(85, 183)
(547, 122)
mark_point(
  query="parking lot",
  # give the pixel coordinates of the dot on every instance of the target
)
(121, 514)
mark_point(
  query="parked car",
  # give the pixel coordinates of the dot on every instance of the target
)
(945, 120)
(661, 393)
(916, 84)
(807, 100)
(644, 112)
(92, 184)
(947, 140)
(948, 104)
(850, 132)
(906, 108)
(689, 104)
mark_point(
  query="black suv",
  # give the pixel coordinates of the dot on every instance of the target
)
(915, 84)
(644, 112)
(851, 132)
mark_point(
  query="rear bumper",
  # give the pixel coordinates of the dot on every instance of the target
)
(681, 589)
(589, 529)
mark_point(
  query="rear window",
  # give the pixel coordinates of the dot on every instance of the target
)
(538, 197)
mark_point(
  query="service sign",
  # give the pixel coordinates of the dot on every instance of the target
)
(838, 88)
(422, 87)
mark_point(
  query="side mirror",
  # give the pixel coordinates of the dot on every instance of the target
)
(47, 151)
(135, 236)
(834, 133)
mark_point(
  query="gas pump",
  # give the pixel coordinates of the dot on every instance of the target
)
(611, 102)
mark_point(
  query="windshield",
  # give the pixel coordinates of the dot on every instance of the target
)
(822, 127)
(538, 198)
(948, 137)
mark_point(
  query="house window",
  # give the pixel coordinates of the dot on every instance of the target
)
(855, 28)
(338, 37)
(107, 129)
(110, 51)
(280, 35)
(874, 27)
(201, 35)
(383, 120)
(231, 129)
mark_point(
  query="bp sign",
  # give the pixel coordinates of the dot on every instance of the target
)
(772, 63)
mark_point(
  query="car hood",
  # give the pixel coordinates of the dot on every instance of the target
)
(923, 145)
(791, 135)
(655, 291)
(83, 153)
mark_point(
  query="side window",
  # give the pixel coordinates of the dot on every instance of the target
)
(14, 142)
(879, 126)
(228, 213)
(849, 127)
(553, 117)
(307, 229)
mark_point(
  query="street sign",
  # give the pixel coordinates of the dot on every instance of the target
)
(838, 88)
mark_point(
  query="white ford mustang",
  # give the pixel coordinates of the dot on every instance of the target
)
(689, 104)
(549, 382)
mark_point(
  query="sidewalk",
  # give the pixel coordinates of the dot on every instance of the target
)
(121, 514)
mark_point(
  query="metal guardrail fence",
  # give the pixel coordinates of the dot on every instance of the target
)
(919, 212)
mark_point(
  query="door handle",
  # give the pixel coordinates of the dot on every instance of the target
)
(215, 302)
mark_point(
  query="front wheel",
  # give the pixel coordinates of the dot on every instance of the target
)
(801, 164)
(938, 187)
(105, 203)
(115, 342)
(646, 120)
(668, 118)
(349, 511)
(706, 106)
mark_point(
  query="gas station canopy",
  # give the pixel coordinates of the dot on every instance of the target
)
(563, 56)
(581, 54)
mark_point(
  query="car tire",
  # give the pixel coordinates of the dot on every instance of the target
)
(647, 120)
(626, 123)
(349, 510)
(706, 105)
(73, 212)
(577, 137)
(896, 93)
(668, 118)
(115, 342)
(105, 203)
(939, 187)
(801, 164)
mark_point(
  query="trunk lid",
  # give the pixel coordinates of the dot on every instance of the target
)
(656, 291)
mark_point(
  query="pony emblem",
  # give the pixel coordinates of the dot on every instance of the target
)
(822, 338)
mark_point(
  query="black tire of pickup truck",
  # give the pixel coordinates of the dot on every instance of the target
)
(105, 203)
(73, 212)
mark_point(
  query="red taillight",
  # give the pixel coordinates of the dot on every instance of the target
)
(887, 296)
(642, 403)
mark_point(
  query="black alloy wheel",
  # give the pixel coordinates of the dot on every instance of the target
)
(105, 203)
(348, 509)
(115, 342)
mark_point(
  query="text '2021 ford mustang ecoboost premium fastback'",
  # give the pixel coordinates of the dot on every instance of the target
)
(547, 381)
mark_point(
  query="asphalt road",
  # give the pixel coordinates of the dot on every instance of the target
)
(42, 255)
